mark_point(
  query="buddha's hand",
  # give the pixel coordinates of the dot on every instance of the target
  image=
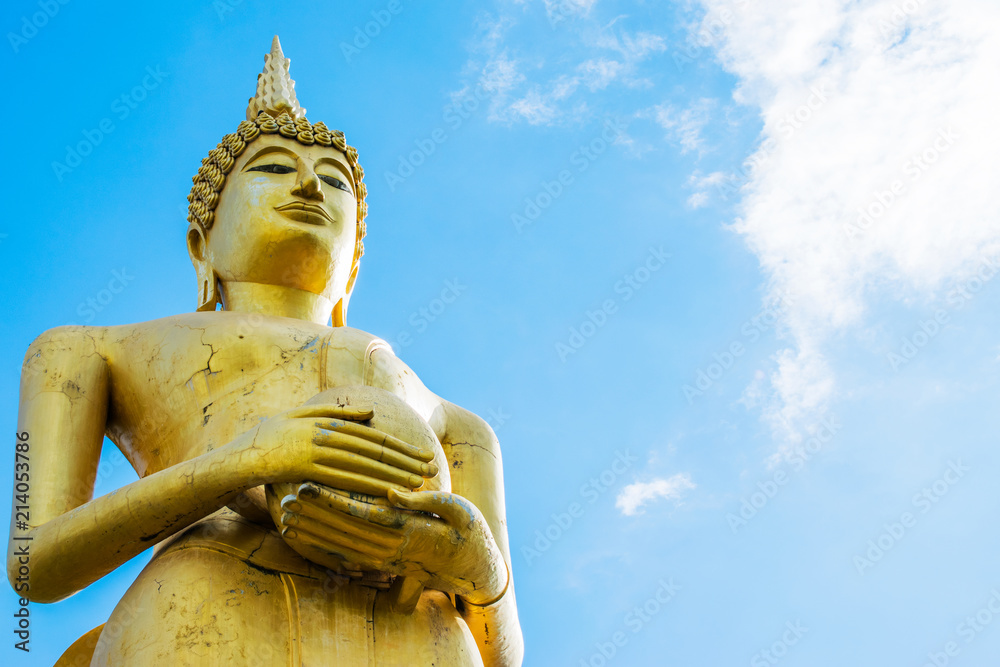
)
(440, 539)
(325, 444)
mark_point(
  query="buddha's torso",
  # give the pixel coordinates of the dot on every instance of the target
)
(228, 590)
(185, 385)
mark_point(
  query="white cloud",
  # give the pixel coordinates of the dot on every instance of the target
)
(597, 73)
(564, 86)
(586, 60)
(685, 126)
(633, 497)
(491, 66)
(534, 108)
(858, 98)
(633, 47)
(490, 32)
(697, 200)
(700, 184)
(500, 74)
(560, 10)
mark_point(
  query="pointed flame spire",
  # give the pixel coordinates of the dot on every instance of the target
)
(275, 88)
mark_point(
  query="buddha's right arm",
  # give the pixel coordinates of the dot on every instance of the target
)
(75, 540)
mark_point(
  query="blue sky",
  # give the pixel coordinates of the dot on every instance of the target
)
(723, 274)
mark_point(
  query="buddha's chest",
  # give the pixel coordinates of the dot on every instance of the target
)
(179, 391)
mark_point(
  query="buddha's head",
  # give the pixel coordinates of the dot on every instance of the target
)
(280, 201)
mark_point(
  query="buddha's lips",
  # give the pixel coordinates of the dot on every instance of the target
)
(303, 212)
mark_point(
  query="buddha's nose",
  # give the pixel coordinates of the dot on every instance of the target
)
(308, 185)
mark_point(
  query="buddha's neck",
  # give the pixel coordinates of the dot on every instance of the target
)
(275, 300)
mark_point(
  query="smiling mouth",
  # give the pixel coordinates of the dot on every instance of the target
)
(303, 212)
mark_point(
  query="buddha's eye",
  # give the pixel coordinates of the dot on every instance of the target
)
(272, 168)
(336, 182)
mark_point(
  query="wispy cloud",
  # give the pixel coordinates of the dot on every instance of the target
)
(633, 47)
(500, 75)
(597, 73)
(701, 185)
(685, 125)
(550, 82)
(877, 118)
(560, 10)
(634, 497)
(535, 107)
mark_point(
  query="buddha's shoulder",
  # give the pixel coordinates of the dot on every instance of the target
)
(214, 328)
(56, 346)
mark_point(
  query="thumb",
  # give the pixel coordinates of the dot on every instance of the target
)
(333, 411)
(454, 509)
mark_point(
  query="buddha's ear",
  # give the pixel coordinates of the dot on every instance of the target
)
(339, 316)
(208, 282)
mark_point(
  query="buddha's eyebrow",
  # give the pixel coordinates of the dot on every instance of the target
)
(269, 149)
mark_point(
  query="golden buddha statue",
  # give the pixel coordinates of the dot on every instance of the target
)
(310, 501)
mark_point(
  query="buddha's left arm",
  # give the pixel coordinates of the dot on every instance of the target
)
(476, 471)
(477, 475)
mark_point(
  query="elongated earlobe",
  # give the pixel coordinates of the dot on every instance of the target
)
(339, 316)
(208, 288)
(208, 281)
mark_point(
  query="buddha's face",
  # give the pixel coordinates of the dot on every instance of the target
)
(287, 216)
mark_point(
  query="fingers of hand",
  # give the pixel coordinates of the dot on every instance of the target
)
(454, 509)
(341, 535)
(323, 546)
(350, 462)
(333, 411)
(298, 509)
(345, 436)
(382, 438)
(380, 515)
(351, 481)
